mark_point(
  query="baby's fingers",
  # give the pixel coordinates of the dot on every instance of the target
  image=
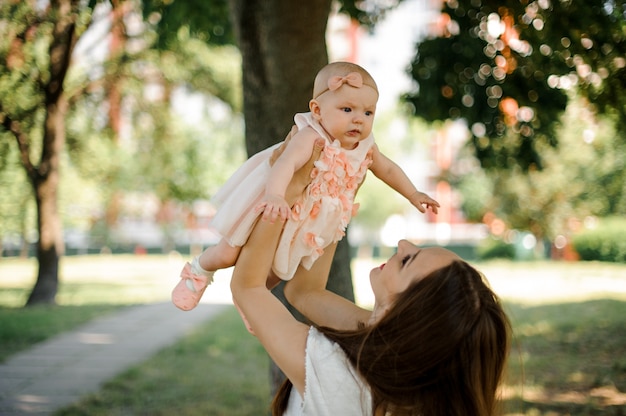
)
(260, 207)
(284, 212)
(270, 213)
(432, 204)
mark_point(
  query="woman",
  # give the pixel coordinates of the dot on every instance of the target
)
(435, 342)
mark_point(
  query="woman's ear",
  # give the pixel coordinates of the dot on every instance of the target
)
(314, 107)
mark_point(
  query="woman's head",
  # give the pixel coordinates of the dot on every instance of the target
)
(440, 347)
(344, 102)
(409, 264)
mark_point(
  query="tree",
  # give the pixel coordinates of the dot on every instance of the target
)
(35, 81)
(508, 66)
(584, 176)
(51, 103)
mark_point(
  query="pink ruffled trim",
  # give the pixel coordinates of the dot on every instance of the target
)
(333, 176)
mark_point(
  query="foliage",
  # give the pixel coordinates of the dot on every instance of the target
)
(17, 210)
(476, 190)
(583, 176)
(163, 150)
(603, 242)
(193, 160)
(209, 21)
(25, 61)
(492, 248)
(367, 13)
(35, 55)
(507, 67)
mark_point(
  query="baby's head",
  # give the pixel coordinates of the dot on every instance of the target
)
(344, 102)
(340, 69)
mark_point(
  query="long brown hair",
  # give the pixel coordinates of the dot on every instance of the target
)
(440, 350)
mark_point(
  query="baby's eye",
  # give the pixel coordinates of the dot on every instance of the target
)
(369, 113)
(346, 109)
(405, 259)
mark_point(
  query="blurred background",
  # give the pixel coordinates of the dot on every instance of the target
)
(120, 119)
(510, 117)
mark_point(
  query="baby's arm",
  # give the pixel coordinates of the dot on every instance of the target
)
(389, 172)
(295, 155)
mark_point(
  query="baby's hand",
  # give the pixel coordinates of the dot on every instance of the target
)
(419, 199)
(273, 207)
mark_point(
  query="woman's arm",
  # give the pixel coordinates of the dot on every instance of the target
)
(390, 173)
(282, 336)
(306, 291)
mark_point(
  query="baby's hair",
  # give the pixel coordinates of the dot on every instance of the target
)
(340, 69)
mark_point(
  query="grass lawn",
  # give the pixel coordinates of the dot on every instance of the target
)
(220, 370)
(569, 354)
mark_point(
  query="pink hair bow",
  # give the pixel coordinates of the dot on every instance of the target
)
(199, 282)
(353, 79)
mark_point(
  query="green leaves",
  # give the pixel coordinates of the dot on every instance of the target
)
(205, 20)
(506, 70)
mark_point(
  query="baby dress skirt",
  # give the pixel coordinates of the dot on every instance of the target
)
(318, 219)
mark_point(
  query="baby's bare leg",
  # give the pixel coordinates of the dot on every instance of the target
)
(220, 256)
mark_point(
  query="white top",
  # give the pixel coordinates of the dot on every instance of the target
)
(332, 385)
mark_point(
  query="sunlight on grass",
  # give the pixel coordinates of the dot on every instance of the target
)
(529, 283)
(111, 279)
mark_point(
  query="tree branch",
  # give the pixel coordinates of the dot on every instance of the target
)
(22, 144)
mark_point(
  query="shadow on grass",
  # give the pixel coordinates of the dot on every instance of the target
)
(568, 359)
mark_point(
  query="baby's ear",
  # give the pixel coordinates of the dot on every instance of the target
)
(314, 107)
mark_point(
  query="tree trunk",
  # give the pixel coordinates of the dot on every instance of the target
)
(50, 246)
(45, 177)
(283, 45)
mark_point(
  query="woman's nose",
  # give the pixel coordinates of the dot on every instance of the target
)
(404, 244)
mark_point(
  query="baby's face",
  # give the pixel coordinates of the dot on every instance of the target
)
(347, 114)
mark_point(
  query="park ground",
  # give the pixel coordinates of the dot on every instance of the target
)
(568, 357)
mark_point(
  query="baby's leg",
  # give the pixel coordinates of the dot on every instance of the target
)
(220, 256)
(198, 274)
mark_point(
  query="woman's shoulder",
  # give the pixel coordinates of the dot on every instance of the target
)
(319, 346)
(332, 385)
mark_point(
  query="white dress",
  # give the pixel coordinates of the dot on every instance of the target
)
(332, 385)
(317, 220)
